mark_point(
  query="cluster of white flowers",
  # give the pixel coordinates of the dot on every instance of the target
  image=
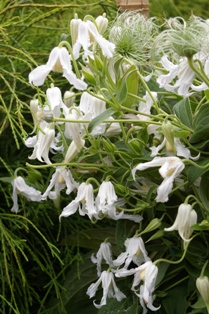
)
(63, 126)
(144, 271)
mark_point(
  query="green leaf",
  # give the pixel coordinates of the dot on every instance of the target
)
(201, 126)
(194, 172)
(115, 307)
(100, 118)
(91, 238)
(128, 84)
(184, 112)
(204, 192)
(176, 301)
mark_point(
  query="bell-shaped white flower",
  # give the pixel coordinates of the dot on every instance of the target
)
(102, 23)
(109, 289)
(60, 179)
(72, 151)
(147, 273)
(69, 98)
(84, 202)
(105, 253)
(73, 129)
(42, 146)
(55, 102)
(106, 203)
(135, 252)
(88, 33)
(186, 217)
(170, 168)
(59, 61)
(20, 187)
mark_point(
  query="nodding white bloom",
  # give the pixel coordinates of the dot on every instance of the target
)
(60, 179)
(186, 217)
(170, 168)
(146, 105)
(135, 252)
(88, 33)
(147, 273)
(202, 284)
(73, 129)
(72, 151)
(107, 201)
(185, 75)
(91, 107)
(84, 202)
(179, 149)
(102, 23)
(59, 61)
(55, 103)
(42, 145)
(105, 253)
(20, 187)
(109, 289)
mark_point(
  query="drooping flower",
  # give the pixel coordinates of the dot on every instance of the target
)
(20, 187)
(88, 33)
(84, 202)
(105, 253)
(59, 61)
(109, 289)
(145, 106)
(135, 252)
(60, 179)
(147, 273)
(54, 98)
(106, 203)
(170, 168)
(42, 145)
(186, 217)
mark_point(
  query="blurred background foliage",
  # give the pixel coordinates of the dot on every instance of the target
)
(37, 252)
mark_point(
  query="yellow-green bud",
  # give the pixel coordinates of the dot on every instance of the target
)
(202, 284)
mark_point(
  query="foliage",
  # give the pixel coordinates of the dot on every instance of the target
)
(46, 264)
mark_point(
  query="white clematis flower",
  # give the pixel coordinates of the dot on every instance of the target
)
(106, 202)
(84, 202)
(109, 289)
(105, 253)
(42, 145)
(145, 106)
(20, 187)
(59, 61)
(186, 217)
(88, 33)
(135, 252)
(55, 103)
(185, 75)
(147, 273)
(170, 168)
(60, 179)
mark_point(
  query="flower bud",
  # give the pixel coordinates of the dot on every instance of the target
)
(202, 284)
(102, 23)
(74, 24)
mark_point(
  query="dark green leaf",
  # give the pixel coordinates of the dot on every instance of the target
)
(176, 301)
(194, 172)
(183, 111)
(201, 126)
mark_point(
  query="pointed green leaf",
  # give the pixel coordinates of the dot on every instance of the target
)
(100, 118)
(184, 112)
(201, 126)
